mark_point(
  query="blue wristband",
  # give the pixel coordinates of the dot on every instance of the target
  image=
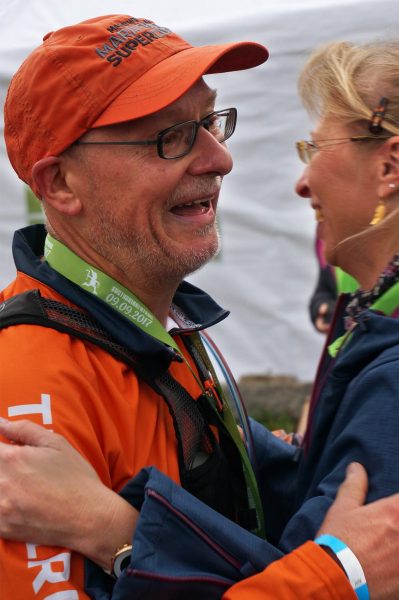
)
(350, 563)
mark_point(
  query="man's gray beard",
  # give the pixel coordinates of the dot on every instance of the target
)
(129, 250)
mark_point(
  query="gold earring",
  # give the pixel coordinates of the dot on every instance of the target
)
(379, 213)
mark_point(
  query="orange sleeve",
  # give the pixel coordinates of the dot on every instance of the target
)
(307, 573)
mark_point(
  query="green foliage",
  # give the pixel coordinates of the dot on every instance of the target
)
(274, 420)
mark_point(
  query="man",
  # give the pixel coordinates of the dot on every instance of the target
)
(111, 124)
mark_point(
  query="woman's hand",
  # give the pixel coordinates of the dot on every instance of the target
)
(50, 495)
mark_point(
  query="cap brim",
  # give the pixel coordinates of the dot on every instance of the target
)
(167, 81)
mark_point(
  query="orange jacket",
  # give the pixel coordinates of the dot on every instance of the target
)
(80, 391)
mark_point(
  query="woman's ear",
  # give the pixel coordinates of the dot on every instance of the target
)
(49, 178)
(388, 174)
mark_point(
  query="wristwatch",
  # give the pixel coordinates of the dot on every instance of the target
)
(120, 560)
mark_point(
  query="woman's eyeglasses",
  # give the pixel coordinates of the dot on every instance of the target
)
(307, 148)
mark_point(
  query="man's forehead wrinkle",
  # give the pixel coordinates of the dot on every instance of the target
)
(204, 95)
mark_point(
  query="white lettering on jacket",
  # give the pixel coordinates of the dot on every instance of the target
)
(44, 409)
(46, 573)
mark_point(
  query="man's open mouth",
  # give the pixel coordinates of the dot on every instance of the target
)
(197, 207)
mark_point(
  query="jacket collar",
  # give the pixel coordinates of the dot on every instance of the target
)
(196, 308)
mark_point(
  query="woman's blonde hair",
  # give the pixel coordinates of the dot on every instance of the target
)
(347, 81)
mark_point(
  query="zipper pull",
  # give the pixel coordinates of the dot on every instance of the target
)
(213, 395)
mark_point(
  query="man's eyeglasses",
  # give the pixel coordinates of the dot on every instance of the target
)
(307, 149)
(178, 140)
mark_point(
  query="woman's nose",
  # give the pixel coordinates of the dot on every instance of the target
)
(302, 185)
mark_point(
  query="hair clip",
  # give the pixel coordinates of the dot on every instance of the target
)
(378, 115)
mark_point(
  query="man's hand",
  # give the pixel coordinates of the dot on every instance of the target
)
(50, 495)
(370, 531)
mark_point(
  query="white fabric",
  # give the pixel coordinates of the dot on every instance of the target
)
(267, 269)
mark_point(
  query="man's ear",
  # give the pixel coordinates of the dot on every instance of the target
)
(50, 180)
(388, 174)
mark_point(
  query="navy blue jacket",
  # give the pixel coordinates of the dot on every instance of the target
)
(354, 417)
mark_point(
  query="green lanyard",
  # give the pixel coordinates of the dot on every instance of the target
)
(123, 301)
(104, 287)
(115, 295)
(386, 304)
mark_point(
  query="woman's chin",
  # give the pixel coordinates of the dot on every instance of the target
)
(329, 252)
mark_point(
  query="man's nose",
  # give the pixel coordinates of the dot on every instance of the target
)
(302, 187)
(209, 155)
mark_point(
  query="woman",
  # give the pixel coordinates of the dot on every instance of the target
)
(352, 181)
(353, 170)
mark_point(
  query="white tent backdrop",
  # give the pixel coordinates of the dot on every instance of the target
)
(267, 269)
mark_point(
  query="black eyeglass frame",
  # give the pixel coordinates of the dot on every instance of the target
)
(303, 146)
(205, 122)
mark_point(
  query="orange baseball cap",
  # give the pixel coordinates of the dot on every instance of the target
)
(100, 72)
